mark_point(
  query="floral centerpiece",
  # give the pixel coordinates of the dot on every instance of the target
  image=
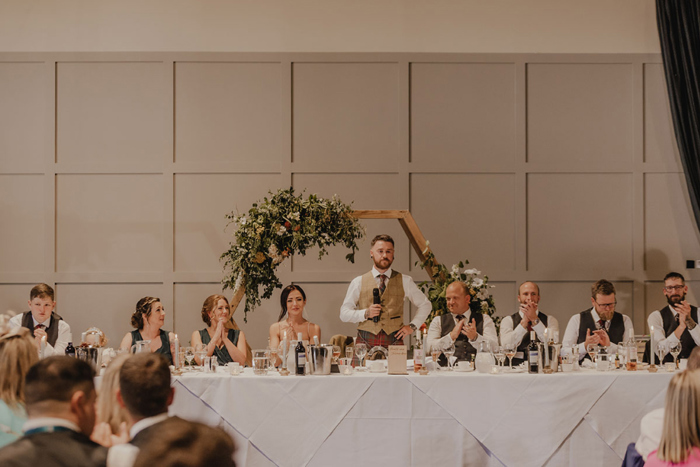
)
(481, 299)
(279, 227)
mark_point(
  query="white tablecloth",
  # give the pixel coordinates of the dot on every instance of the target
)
(581, 418)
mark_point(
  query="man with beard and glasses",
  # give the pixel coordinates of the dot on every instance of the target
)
(676, 322)
(393, 288)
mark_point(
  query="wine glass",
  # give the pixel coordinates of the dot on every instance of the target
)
(661, 351)
(592, 350)
(500, 355)
(336, 354)
(509, 350)
(449, 352)
(675, 351)
(273, 358)
(435, 353)
(200, 351)
(360, 351)
(189, 356)
(349, 351)
(280, 352)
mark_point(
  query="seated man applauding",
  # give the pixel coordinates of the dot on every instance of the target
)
(600, 325)
(60, 398)
(460, 327)
(515, 329)
(42, 321)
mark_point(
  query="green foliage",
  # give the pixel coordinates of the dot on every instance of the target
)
(276, 228)
(481, 299)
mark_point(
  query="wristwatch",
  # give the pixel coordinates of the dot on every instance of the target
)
(412, 326)
(535, 322)
(690, 324)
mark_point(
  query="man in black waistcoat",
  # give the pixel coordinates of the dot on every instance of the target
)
(145, 392)
(461, 327)
(600, 325)
(43, 322)
(60, 399)
(676, 322)
(516, 328)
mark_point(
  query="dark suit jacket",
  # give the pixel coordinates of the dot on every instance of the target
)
(59, 449)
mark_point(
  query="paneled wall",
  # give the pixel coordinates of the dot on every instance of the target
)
(117, 171)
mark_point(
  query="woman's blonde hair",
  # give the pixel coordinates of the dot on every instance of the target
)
(681, 430)
(108, 409)
(17, 354)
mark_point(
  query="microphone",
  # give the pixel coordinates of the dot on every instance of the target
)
(377, 301)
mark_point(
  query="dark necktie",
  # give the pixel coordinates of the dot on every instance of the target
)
(39, 326)
(601, 324)
(382, 284)
(459, 317)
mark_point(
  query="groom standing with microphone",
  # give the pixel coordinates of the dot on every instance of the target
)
(375, 300)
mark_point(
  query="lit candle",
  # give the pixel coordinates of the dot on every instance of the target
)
(284, 350)
(652, 349)
(425, 345)
(546, 348)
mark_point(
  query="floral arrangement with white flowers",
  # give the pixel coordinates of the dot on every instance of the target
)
(481, 298)
(279, 227)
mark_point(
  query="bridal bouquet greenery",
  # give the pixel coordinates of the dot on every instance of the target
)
(278, 227)
(481, 299)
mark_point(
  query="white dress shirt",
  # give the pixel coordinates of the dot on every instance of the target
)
(41, 422)
(657, 321)
(435, 329)
(64, 334)
(349, 313)
(124, 455)
(571, 334)
(510, 335)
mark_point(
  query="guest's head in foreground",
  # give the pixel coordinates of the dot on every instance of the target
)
(225, 344)
(144, 386)
(62, 387)
(681, 429)
(148, 319)
(17, 355)
(108, 408)
(181, 443)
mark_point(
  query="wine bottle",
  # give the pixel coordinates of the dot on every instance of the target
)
(300, 356)
(70, 350)
(532, 354)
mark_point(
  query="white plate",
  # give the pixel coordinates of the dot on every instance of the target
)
(383, 370)
(466, 370)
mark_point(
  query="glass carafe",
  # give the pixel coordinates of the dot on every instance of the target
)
(484, 360)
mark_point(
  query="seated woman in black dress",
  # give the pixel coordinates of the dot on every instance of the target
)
(227, 344)
(148, 319)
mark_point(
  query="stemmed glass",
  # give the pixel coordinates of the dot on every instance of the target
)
(349, 351)
(500, 355)
(280, 352)
(200, 351)
(336, 354)
(189, 356)
(510, 353)
(435, 353)
(675, 351)
(661, 351)
(592, 350)
(273, 358)
(449, 352)
(360, 351)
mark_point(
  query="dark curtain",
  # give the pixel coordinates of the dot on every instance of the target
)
(679, 33)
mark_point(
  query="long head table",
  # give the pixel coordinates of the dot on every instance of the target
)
(445, 418)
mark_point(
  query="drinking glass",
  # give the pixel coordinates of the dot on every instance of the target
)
(435, 353)
(349, 351)
(509, 350)
(260, 361)
(449, 352)
(360, 351)
(189, 356)
(200, 351)
(500, 355)
(280, 352)
(336, 354)
(675, 351)
(273, 358)
(661, 351)
(592, 350)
